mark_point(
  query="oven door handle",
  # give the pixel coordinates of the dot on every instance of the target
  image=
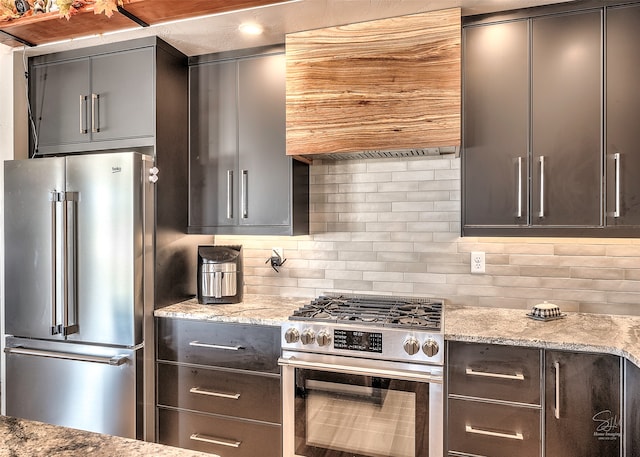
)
(364, 371)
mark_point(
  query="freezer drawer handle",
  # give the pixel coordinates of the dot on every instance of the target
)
(211, 440)
(487, 374)
(478, 431)
(115, 361)
(215, 346)
(198, 390)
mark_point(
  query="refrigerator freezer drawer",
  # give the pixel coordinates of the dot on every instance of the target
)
(84, 387)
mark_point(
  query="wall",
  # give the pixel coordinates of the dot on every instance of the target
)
(392, 226)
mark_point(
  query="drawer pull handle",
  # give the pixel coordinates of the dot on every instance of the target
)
(198, 390)
(211, 440)
(517, 376)
(478, 431)
(215, 346)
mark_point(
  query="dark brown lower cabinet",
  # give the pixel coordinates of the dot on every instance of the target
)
(583, 413)
(631, 409)
(218, 387)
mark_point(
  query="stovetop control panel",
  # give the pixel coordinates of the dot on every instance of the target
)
(364, 341)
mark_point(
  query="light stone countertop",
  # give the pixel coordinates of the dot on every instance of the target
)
(254, 309)
(23, 438)
(602, 333)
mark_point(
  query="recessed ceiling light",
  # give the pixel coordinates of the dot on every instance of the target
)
(251, 28)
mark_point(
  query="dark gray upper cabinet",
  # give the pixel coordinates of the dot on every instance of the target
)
(566, 122)
(583, 405)
(241, 181)
(623, 111)
(98, 98)
(496, 113)
(540, 73)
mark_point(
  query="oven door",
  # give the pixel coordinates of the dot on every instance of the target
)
(337, 406)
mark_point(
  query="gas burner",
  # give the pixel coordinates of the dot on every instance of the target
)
(373, 310)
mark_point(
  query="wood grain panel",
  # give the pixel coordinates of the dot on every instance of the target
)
(379, 85)
(157, 11)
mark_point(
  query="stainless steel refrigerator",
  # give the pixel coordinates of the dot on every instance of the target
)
(79, 274)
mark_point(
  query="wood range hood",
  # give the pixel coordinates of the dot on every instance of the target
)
(50, 27)
(383, 88)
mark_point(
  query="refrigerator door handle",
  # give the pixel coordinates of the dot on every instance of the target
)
(70, 264)
(54, 199)
(116, 360)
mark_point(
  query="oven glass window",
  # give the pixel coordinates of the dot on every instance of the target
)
(349, 415)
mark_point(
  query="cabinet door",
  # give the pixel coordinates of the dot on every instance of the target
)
(59, 103)
(632, 408)
(583, 405)
(122, 95)
(265, 183)
(567, 119)
(213, 154)
(496, 113)
(623, 110)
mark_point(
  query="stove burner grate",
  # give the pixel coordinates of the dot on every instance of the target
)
(386, 311)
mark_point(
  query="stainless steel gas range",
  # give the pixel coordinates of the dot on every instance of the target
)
(362, 377)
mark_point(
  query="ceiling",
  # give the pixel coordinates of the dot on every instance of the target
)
(218, 33)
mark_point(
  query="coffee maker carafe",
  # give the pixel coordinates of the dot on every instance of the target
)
(219, 274)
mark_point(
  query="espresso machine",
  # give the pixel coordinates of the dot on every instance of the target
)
(219, 274)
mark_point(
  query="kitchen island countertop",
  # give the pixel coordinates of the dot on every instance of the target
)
(23, 438)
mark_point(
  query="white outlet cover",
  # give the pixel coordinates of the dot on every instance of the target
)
(477, 262)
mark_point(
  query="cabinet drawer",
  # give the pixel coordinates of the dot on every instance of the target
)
(219, 392)
(247, 347)
(495, 372)
(223, 436)
(480, 428)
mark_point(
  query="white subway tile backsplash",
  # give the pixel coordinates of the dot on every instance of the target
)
(392, 226)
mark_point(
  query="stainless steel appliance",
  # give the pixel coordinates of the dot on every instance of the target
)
(362, 377)
(79, 291)
(220, 274)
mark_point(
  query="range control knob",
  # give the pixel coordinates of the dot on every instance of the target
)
(411, 346)
(307, 336)
(430, 347)
(323, 338)
(292, 335)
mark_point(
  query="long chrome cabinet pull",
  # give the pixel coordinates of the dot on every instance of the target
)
(479, 431)
(211, 393)
(244, 196)
(541, 213)
(83, 103)
(616, 159)
(519, 212)
(212, 440)
(488, 374)
(115, 361)
(229, 194)
(95, 120)
(556, 409)
(215, 346)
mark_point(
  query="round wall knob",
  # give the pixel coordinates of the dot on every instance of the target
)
(307, 336)
(292, 335)
(430, 347)
(411, 346)
(323, 338)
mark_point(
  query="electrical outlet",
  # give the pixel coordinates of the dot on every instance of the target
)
(278, 252)
(477, 262)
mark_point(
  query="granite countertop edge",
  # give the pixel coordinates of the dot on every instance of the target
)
(582, 332)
